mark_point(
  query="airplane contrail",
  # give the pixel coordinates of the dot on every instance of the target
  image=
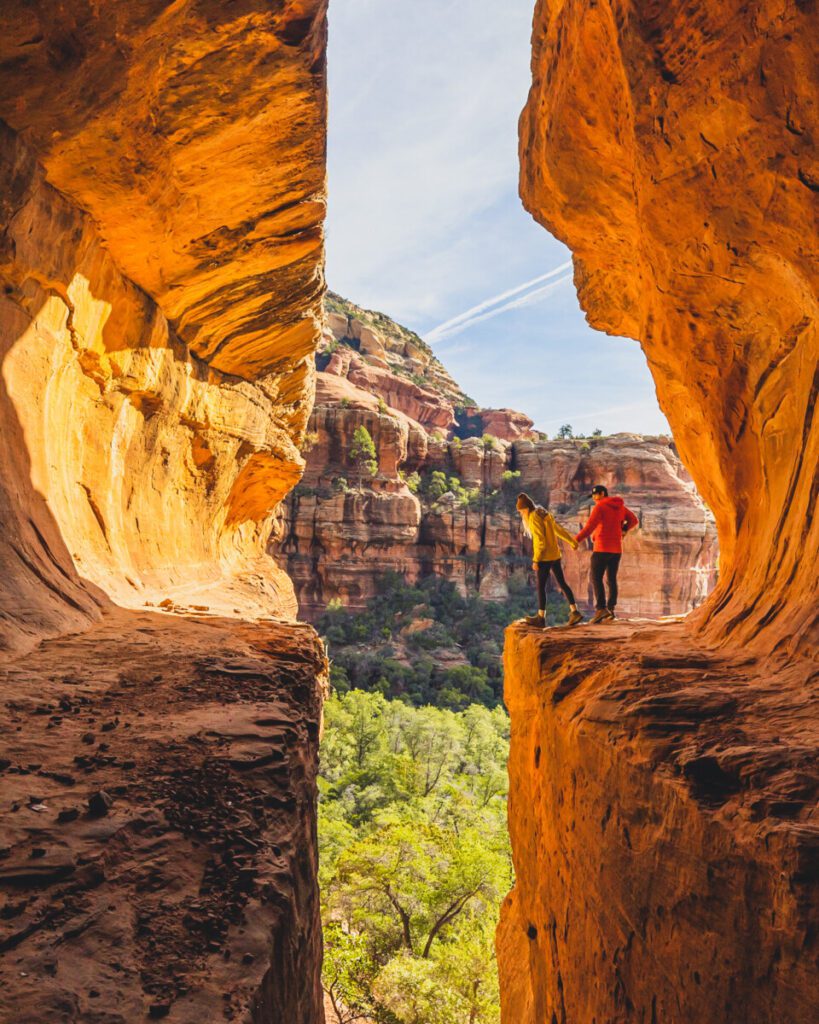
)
(447, 325)
(524, 300)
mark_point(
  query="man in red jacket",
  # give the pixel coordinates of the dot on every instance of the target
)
(609, 522)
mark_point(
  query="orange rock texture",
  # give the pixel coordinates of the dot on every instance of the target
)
(158, 837)
(662, 816)
(162, 171)
(673, 147)
(663, 781)
(161, 264)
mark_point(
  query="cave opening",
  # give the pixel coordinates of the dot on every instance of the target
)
(163, 293)
(450, 309)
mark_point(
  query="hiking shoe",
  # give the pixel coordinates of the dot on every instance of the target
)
(535, 620)
(611, 614)
(600, 615)
(574, 618)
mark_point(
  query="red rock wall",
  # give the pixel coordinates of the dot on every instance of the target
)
(663, 783)
(162, 172)
(335, 545)
(672, 146)
(662, 820)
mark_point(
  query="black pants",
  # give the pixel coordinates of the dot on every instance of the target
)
(604, 563)
(543, 570)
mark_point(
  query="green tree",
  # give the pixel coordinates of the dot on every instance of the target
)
(363, 455)
(414, 859)
(411, 881)
(437, 485)
(566, 431)
(349, 973)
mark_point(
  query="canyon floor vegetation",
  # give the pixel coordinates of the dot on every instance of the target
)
(415, 859)
(426, 643)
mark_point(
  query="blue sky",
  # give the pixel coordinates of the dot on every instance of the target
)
(424, 219)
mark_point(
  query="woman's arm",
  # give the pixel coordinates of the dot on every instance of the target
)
(564, 534)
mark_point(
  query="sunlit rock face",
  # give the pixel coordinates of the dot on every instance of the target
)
(161, 269)
(673, 148)
(161, 205)
(336, 541)
(663, 781)
(194, 136)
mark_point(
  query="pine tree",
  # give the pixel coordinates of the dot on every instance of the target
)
(363, 455)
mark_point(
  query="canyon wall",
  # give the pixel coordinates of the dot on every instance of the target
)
(663, 781)
(337, 537)
(662, 817)
(673, 148)
(162, 172)
(161, 265)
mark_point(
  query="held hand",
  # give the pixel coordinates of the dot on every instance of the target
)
(534, 566)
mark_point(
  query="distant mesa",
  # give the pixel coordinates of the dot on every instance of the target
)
(441, 500)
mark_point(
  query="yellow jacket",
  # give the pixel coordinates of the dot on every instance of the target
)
(545, 532)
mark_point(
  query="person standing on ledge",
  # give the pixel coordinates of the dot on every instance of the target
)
(541, 526)
(608, 523)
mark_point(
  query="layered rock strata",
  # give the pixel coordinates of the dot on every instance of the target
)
(338, 538)
(662, 815)
(161, 206)
(664, 784)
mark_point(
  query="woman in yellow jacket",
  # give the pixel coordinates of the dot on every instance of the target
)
(541, 526)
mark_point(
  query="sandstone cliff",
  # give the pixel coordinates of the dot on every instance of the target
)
(673, 149)
(161, 207)
(664, 782)
(338, 539)
(661, 810)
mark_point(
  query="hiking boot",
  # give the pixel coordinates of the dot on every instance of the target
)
(535, 620)
(575, 617)
(600, 615)
(611, 614)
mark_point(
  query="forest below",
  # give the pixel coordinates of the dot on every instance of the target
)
(414, 848)
(426, 643)
(415, 859)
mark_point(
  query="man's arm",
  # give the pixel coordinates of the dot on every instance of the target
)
(591, 525)
(630, 520)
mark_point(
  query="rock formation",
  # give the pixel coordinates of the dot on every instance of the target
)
(158, 844)
(664, 781)
(673, 149)
(338, 538)
(660, 815)
(161, 206)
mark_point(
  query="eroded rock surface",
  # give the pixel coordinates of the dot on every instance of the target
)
(663, 781)
(194, 135)
(662, 814)
(161, 206)
(158, 849)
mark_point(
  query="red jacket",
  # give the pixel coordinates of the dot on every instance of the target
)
(609, 520)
